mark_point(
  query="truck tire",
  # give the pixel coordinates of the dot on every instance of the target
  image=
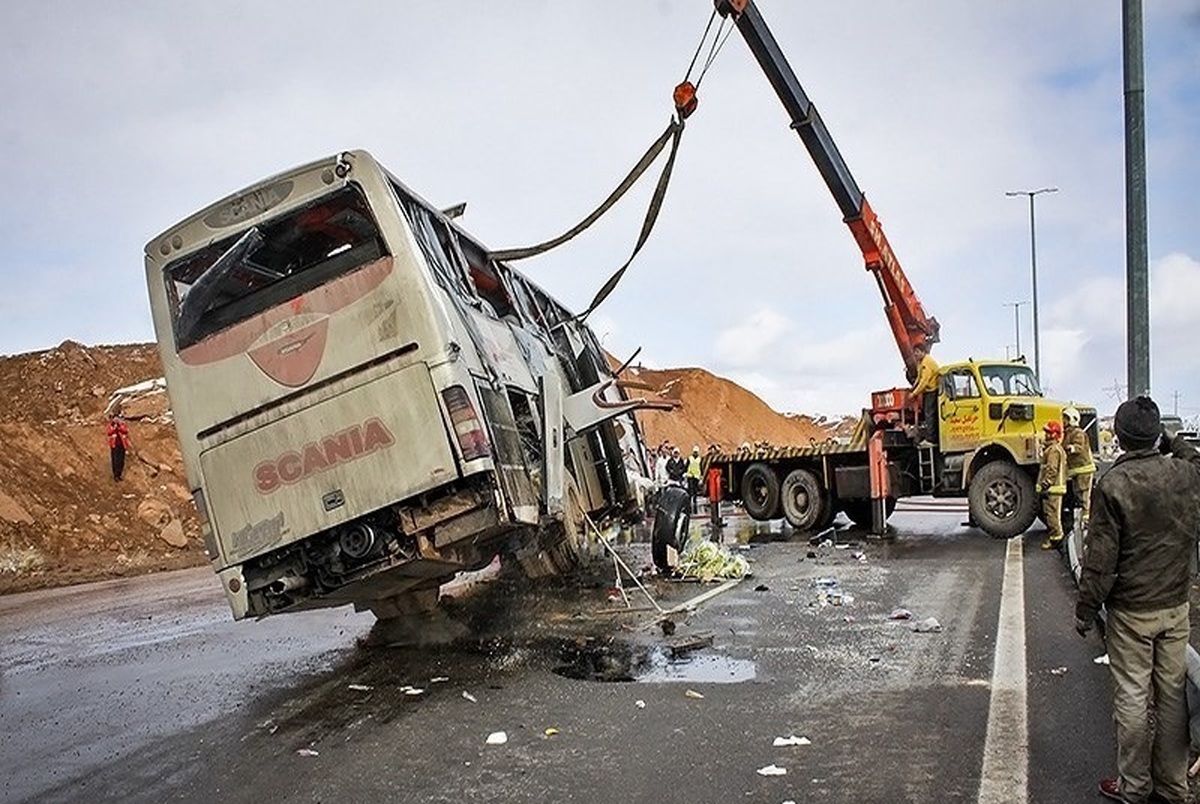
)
(672, 517)
(859, 511)
(1002, 500)
(760, 492)
(804, 501)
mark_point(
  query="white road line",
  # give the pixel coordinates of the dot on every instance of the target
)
(1004, 778)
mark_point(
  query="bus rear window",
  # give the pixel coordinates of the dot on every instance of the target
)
(275, 261)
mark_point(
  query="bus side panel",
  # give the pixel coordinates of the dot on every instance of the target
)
(329, 463)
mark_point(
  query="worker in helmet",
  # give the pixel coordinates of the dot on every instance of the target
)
(1052, 483)
(1081, 469)
(692, 473)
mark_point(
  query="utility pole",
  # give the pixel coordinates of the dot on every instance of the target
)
(1137, 274)
(1016, 322)
(1037, 351)
(1176, 396)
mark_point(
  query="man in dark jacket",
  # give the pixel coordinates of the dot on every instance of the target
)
(1137, 561)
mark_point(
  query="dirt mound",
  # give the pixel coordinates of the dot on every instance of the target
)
(63, 519)
(713, 410)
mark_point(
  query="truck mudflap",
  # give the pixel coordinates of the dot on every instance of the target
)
(327, 464)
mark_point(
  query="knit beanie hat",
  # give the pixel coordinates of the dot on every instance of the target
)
(1137, 423)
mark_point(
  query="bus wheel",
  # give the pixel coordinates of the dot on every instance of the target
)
(760, 491)
(672, 517)
(804, 501)
(559, 547)
(1002, 500)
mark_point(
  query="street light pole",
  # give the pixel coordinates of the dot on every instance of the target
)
(1016, 322)
(1037, 352)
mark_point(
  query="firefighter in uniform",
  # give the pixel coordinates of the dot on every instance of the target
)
(1052, 484)
(1081, 469)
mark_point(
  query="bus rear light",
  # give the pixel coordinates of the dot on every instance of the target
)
(468, 429)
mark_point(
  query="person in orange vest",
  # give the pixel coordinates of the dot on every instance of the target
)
(1081, 468)
(712, 482)
(1052, 484)
(118, 442)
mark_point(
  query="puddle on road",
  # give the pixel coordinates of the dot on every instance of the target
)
(624, 662)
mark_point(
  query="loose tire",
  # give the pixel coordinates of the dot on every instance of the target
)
(760, 492)
(672, 517)
(804, 501)
(1002, 500)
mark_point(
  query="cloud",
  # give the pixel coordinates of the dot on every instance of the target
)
(754, 342)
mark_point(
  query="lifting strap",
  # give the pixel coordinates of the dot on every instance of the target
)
(685, 101)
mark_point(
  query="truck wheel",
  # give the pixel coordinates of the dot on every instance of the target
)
(760, 491)
(1002, 500)
(859, 511)
(804, 501)
(672, 517)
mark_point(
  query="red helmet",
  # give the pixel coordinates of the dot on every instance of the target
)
(1054, 428)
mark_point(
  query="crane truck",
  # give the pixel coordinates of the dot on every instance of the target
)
(988, 414)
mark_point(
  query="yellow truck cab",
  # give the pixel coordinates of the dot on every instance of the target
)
(990, 416)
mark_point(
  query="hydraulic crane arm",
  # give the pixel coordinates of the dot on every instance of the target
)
(910, 324)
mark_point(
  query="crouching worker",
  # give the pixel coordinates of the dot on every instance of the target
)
(1052, 484)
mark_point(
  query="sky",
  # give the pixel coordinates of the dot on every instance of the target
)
(121, 118)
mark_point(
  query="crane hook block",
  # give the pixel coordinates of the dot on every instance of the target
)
(685, 99)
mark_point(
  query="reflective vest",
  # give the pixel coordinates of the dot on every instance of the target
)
(1079, 452)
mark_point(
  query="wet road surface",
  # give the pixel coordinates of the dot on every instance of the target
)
(144, 690)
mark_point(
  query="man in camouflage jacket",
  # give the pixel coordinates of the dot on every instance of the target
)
(1137, 563)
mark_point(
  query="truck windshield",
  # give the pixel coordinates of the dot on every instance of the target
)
(251, 271)
(1009, 380)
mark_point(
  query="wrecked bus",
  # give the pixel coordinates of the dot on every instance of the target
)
(367, 403)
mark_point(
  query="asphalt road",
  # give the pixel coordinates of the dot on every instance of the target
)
(145, 690)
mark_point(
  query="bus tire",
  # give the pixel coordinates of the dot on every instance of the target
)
(804, 501)
(1002, 500)
(760, 492)
(672, 518)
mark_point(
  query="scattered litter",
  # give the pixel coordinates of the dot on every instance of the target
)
(550, 732)
(772, 770)
(497, 738)
(812, 554)
(1101, 659)
(1058, 671)
(789, 801)
(762, 587)
(1192, 771)
(826, 543)
(927, 626)
(359, 687)
(640, 704)
(439, 679)
(841, 547)
(900, 614)
(307, 752)
(859, 556)
(793, 740)
(470, 697)
(849, 618)
(873, 659)
(825, 583)
(413, 691)
(693, 694)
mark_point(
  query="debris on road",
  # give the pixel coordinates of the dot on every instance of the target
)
(1058, 671)
(1101, 659)
(929, 625)
(772, 770)
(410, 690)
(900, 614)
(550, 732)
(439, 679)
(792, 740)
(640, 704)
(360, 687)
(693, 694)
(307, 752)
(708, 561)
(497, 738)
(470, 697)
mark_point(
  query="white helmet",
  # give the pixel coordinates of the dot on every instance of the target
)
(1071, 416)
